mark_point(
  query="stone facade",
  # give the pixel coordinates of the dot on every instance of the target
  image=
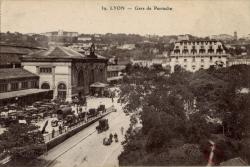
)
(66, 72)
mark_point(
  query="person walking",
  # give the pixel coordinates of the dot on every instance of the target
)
(111, 137)
(122, 129)
(53, 133)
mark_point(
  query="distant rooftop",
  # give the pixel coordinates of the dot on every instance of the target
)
(58, 52)
(198, 40)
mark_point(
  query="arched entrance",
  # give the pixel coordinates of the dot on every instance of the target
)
(61, 91)
(45, 86)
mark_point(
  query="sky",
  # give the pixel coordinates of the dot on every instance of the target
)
(196, 17)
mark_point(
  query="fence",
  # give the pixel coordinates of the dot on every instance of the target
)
(49, 137)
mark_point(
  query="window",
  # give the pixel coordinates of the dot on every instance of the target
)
(25, 85)
(202, 66)
(3, 87)
(45, 70)
(185, 60)
(33, 84)
(185, 66)
(177, 51)
(219, 50)
(210, 50)
(185, 51)
(61, 91)
(14, 86)
(202, 60)
(193, 67)
(219, 57)
(211, 58)
(193, 59)
(45, 86)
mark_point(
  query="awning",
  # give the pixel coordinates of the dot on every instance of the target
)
(98, 85)
(22, 121)
(20, 93)
(114, 78)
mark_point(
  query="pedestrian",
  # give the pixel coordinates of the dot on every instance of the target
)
(53, 133)
(122, 129)
(60, 129)
(84, 158)
(111, 136)
(116, 137)
(112, 99)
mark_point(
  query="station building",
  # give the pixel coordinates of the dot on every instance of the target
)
(200, 54)
(67, 72)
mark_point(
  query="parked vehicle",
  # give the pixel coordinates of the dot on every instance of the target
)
(70, 120)
(92, 112)
(62, 113)
(101, 108)
(107, 141)
(37, 104)
(103, 125)
(54, 123)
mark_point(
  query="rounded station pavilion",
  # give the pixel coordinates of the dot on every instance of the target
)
(67, 72)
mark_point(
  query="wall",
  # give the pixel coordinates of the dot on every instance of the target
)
(197, 63)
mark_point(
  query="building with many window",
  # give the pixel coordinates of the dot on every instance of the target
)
(237, 61)
(67, 72)
(195, 55)
(19, 85)
(61, 37)
(115, 73)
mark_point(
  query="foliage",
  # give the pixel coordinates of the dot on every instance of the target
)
(165, 117)
(22, 140)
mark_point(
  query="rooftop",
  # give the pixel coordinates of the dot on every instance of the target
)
(58, 52)
(17, 49)
(10, 53)
(115, 67)
(198, 40)
(20, 93)
(11, 73)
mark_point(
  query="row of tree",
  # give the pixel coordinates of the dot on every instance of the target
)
(175, 111)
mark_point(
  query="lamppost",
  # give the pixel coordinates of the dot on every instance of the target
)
(211, 156)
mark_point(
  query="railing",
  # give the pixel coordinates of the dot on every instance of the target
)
(49, 137)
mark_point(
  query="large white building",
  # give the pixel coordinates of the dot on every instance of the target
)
(195, 55)
(65, 71)
(237, 61)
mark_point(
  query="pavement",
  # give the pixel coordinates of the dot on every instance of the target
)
(86, 147)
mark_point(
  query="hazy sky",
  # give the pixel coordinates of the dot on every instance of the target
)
(197, 17)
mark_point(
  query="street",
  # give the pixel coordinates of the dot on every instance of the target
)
(86, 147)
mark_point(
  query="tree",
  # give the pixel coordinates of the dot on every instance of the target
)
(23, 140)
